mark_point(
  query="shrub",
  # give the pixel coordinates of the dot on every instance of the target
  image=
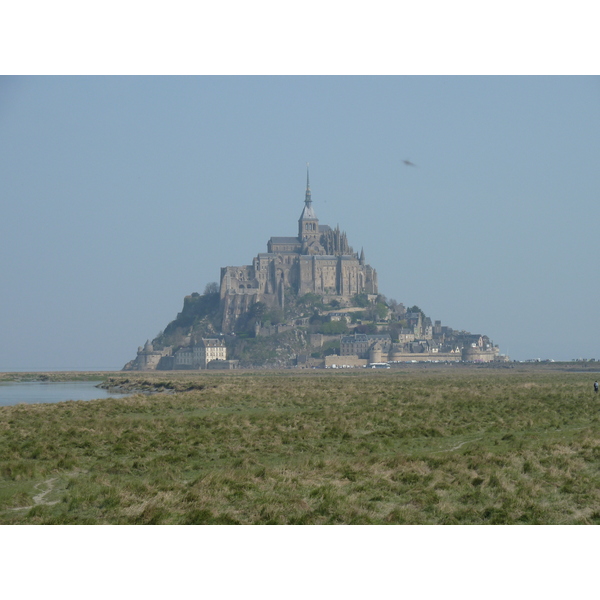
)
(333, 328)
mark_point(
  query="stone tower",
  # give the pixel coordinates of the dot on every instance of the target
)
(308, 224)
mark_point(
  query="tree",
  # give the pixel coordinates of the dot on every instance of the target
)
(369, 328)
(258, 309)
(247, 321)
(311, 300)
(395, 331)
(359, 315)
(315, 323)
(273, 316)
(361, 300)
(211, 288)
(381, 311)
(334, 328)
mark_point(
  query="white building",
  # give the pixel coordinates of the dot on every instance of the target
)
(198, 356)
(209, 349)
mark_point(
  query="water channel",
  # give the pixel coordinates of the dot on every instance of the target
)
(36, 392)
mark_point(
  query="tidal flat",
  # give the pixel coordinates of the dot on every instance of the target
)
(404, 446)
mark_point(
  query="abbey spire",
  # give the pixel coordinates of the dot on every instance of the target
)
(308, 224)
(307, 197)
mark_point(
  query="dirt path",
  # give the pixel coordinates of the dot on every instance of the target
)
(457, 447)
(40, 498)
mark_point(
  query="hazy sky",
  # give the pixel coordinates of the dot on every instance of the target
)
(120, 195)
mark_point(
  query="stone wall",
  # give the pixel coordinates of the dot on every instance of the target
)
(223, 364)
(478, 355)
(273, 329)
(317, 340)
(341, 361)
(426, 356)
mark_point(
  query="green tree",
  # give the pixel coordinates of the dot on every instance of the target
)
(359, 315)
(333, 328)
(395, 331)
(416, 309)
(381, 311)
(361, 300)
(247, 321)
(369, 328)
(273, 316)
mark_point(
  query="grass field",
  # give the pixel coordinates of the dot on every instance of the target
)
(412, 446)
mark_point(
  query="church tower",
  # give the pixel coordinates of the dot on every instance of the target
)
(308, 224)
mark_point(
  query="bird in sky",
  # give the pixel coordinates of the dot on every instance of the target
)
(408, 163)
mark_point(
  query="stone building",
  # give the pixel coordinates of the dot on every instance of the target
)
(369, 349)
(480, 350)
(208, 350)
(184, 359)
(318, 260)
(200, 355)
(360, 344)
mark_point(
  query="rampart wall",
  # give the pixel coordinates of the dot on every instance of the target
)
(426, 356)
(348, 361)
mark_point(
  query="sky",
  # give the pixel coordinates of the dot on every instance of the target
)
(121, 195)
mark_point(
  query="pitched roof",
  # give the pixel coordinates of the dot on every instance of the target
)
(308, 212)
(284, 240)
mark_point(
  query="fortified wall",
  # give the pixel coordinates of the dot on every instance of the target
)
(148, 359)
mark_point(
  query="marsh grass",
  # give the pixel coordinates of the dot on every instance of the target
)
(468, 447)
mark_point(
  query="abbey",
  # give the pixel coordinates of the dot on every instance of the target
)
(318, 260)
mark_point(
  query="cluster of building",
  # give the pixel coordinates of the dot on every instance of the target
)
(320, 261)
(360, 350)
(207, 353)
